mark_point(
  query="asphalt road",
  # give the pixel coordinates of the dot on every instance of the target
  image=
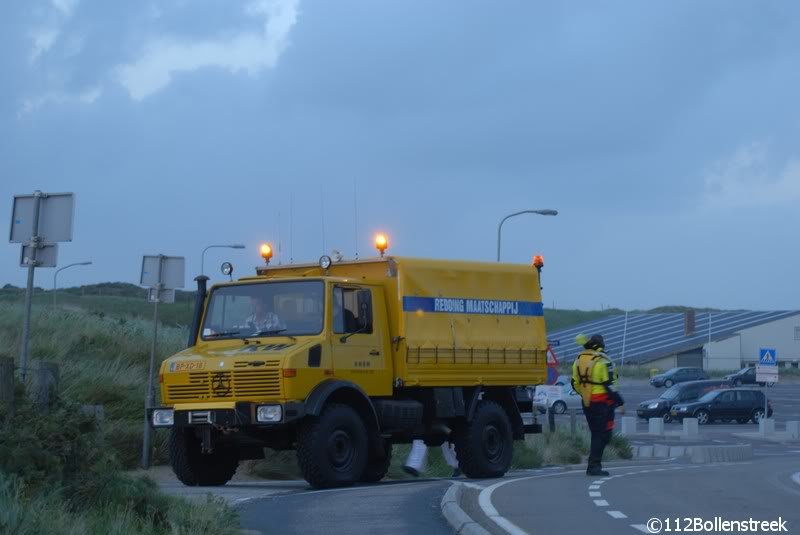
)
(385, 508)
(764, 489)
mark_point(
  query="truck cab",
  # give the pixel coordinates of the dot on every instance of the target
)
(339, 361)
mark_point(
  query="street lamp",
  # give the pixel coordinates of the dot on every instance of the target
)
(55, 277)
(203, 256)
(509, 216)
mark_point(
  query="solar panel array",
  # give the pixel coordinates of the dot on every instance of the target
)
(652, 336)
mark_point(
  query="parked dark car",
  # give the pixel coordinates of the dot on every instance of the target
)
(740, 404)
(681, 393)
(745, 376)
(678, 375)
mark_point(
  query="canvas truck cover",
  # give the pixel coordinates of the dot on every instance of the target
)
(469, 323)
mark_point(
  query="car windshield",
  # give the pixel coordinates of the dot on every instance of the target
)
(265, 309)
(671, 393)
(708, 396)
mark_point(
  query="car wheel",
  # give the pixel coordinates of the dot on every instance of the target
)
(559, 407)
(667, 417)
(737, 382)
(668, 383)
(742, 420)
(758, 414)
(703, 417)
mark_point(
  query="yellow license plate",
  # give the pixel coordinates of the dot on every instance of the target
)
(189, 366)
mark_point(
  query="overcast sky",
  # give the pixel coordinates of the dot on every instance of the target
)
(665, 133)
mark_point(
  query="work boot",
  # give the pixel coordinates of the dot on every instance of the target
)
(596, 471)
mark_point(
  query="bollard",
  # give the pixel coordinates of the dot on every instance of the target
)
(766, 426)
(793, 429)
(690, 428)
(655, 426)
(628, 425)
(551, 419)
(45, 385)
(573, 423)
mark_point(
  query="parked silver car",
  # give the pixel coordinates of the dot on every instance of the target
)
(569, 399)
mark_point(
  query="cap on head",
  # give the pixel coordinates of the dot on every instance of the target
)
(581, 339)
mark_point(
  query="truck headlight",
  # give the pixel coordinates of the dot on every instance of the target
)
(269, 413)
(653, 406)
(163, 418)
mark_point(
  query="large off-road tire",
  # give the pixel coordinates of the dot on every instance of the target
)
(332, 448)
(484, 446)
(193, 468)
(378, 467)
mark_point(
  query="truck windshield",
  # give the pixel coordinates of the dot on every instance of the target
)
(265, 309)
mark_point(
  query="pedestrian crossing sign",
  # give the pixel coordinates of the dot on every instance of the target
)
(767, 357)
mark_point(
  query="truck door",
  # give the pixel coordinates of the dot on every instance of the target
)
(360, 345)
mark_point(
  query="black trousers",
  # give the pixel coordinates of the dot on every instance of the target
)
(598, 416)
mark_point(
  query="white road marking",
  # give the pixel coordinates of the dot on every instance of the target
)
(594, 494)
(601, 503)
(472, 485)
(598, 482)
(594, 487)
(617, 514)
(640, 527)
(485, 498)
(796, 478)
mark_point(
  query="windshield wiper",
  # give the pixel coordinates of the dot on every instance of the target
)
(223, 333)
(271, 332)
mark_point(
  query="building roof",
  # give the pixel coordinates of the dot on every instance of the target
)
(652, 336)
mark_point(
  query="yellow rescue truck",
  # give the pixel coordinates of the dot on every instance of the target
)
(341, 359)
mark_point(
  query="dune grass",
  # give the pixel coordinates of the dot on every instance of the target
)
(102, 361)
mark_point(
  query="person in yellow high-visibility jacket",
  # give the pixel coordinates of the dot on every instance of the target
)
(594, 378)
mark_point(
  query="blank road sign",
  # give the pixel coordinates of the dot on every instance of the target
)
(56, 211)
(46, 256)
(172, 271)
(164, 296)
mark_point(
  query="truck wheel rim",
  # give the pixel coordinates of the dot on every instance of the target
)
(492, 443)
(758, 415)
(340, 449)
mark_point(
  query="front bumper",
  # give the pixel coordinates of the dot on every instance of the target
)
(240, 414)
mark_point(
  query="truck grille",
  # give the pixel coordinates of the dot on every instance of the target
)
(223, 385)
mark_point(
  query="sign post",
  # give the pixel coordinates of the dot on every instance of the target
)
(38, 222)
(161, 274)
(767, 371)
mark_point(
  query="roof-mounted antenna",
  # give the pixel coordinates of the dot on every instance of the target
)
(291, 228)
(322, 213)
(355, 216)
(280, 244)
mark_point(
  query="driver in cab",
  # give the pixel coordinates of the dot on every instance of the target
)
(263, 320)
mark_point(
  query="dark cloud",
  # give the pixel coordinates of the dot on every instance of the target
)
(447, 115)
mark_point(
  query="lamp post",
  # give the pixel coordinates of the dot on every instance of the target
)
(55, 277)
(203, 256)
(509, 216)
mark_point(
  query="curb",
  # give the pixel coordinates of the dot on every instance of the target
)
(722, 454)
(697, 454)
(460, 521)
